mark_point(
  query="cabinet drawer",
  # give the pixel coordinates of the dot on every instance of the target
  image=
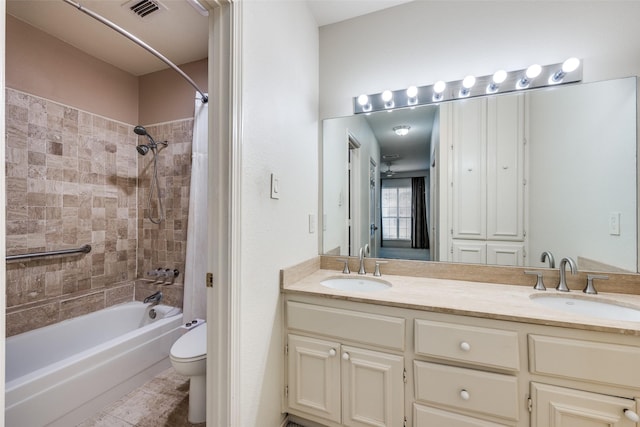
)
(467, 389)
(367, 328)
(592, 361)
(482, 346)
(425, 416)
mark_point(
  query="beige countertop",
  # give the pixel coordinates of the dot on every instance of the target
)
(487, 300)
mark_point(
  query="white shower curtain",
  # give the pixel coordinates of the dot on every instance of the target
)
(195, 291)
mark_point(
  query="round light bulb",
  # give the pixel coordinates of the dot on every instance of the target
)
(387, 96)
(499, 76)
(412, 91)
(468, 82)
(363, 100)
(570, 65)
(439, 86)
(534, 71)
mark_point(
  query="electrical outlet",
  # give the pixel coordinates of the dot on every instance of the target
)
(614, 223)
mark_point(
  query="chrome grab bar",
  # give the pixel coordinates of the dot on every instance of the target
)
(84, 249)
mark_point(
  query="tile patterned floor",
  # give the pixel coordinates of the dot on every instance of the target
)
(163, 401)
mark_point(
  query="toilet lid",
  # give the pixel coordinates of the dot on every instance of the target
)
(192, 344)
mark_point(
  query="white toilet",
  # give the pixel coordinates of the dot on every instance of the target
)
(189, 358)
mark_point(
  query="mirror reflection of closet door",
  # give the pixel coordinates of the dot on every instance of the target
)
(353, 220)
(374, 233)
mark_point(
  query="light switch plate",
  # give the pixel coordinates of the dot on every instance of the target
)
(275, 186)
(312, 223)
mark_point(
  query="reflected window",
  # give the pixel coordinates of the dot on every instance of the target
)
(396, 209)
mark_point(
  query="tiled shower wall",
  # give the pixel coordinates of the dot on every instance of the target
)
(75, 178)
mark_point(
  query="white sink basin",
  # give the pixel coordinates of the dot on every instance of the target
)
(359, 284)
(588, 307)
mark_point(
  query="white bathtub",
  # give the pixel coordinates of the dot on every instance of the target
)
(64, 373)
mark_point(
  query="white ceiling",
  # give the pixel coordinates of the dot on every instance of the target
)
(413, 149)
(179, 32)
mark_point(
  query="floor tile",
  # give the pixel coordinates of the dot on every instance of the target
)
(162, 401)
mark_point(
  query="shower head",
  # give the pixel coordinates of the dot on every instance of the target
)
(142, 149)
(140, 130)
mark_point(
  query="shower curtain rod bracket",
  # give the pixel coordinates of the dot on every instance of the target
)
(204, 98)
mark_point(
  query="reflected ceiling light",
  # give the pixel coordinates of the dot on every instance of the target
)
(363, 101)
(568, 66)
(467, 84)
(532, 72)
(498, 78)
(412, 95)
(536, 76)
(387, 98)
(438, 88)
(402, 130)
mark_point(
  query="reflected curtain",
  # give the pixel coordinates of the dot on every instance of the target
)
(195, 292)
(419, 232)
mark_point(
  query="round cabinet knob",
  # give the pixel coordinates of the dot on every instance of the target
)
(332, 352)
(464, 394)
(465, 346)
(631, 415)
(345, 356)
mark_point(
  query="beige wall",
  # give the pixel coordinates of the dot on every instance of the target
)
(165, 95)
(39, 64)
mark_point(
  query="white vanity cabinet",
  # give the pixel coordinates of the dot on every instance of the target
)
(566, 407)
(363, 364)
(487, 181)
(331, 380)
(585, 364)
(467, 395)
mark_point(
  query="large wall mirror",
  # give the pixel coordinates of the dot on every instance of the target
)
(493, 180)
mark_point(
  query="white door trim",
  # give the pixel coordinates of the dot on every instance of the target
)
(223, 298)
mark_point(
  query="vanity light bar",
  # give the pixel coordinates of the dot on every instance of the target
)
(533, 77)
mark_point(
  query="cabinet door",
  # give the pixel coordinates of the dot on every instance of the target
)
(563, 407)
(505, 254)
(314, 377)
(469, 169)
(505, 168)
(469, 252)
(373, 388)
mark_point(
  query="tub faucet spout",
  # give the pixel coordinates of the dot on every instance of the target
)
(154, 298)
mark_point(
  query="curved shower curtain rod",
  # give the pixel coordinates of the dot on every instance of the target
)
(140, 43)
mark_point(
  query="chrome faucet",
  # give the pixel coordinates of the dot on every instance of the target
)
(362, 254)
(154, 298)
(562, 285)
(547, 255)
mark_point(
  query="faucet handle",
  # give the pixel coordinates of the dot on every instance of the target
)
(539, 283)
(376, 272)
(345, 270)
(590, 289)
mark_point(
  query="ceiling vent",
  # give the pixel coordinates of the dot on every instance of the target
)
(144, 8)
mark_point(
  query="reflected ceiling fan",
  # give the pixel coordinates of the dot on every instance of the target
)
(389, 173)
